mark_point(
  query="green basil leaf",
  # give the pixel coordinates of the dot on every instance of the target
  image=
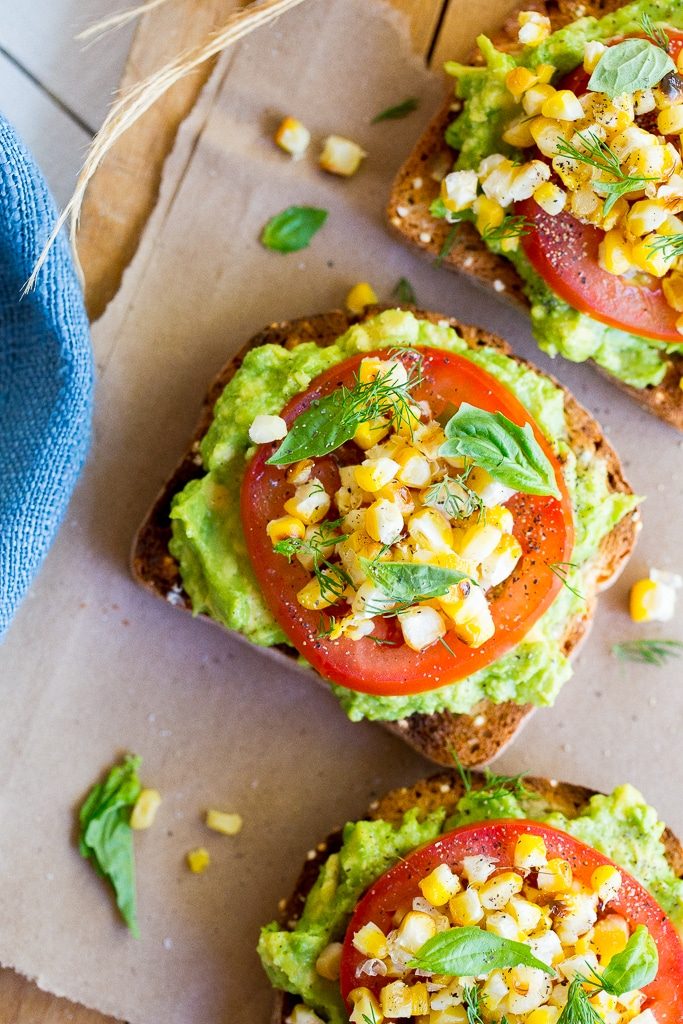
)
(403, 291)
(468, 951)
(317, 431)
(105, 835)
(293, 229)
(408, 582)
(628, 66)
(633, 968)
(400, 110)
(511, 454)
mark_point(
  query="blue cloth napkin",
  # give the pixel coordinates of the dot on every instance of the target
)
(46, 375)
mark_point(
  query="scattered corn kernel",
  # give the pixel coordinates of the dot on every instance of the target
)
(651, 601)
(228, 824)
(530, 852)
(421, 627)
(145, 809)
(609, 937)
(459, 190)
(555, 876)
(365, 1007)
(518, 80)
(341, 156)
(198, 860)
(466, 908)
(606, 882)
(265, 429)
(551, 198)
(293, 136)
(360, 296)
(534, 28)
(563, 105)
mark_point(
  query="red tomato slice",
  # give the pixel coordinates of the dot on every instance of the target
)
(565, 253)
(395, 891)
(543, 526)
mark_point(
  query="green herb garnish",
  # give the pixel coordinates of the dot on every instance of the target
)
(403, 291)
(468, 951)
(630, 66)
(408, 583)
(397, 112)
(648, 652)
(105, 835)
(495, 786)
(293, 229)
(561, 570)
(470, 1001)
(510, 227)
(452, 496)
(655, 33)
(631, 969)
(577, 1009)
(600, 155)
(509, 453)
(670, 246)
(331, 576)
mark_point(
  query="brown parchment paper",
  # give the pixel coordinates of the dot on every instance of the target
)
(93, 665)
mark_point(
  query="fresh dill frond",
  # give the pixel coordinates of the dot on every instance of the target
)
(648, 652)
(331, 576)
(470, 1002)
(670, 246)
(561, 570)
(510, 227)
(601, 156)
(455, 498)
(448, 244)
(578, 1009)
(403, 291)
(495, 786)
(382, 396)
(655, 33)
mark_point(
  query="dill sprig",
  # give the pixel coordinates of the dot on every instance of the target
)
(470, 1002)
(561, 570)
(648, 652)
(510, 227)
(578, 1009)
(601, 156)
(655, 33)
(670, 246)
(382, 396)
(331, 576)
(495, 786)
(455, 498)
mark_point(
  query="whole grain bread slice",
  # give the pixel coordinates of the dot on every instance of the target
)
(417, 184)
(442, 790)
(480, 736)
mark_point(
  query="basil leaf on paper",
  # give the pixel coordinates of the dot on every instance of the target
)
(293, 229)
(106, 838)
(510, 454)
(408, 582)
(633, 968)
(399, 111)
(629, 66)
(465, 952)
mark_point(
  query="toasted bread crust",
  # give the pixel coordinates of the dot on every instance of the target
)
(476, 738)
(442, 790)
(417, 184)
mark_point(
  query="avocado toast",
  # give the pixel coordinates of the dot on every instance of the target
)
(650, 372)
(477, 732)
(620, 825)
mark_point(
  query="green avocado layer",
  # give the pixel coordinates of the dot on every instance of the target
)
(208, 539)
(557, 327)
(622, 826)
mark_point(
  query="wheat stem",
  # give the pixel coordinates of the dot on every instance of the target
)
(100, 28)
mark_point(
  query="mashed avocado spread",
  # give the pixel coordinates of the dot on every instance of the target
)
(208, 540)
(476, 134)
(622, 826)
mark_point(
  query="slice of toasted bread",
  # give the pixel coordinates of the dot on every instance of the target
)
(476, 738)
(417, 184)
(442, 790)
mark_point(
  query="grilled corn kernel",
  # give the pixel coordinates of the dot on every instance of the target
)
(563, 105)
(651, 601)
(302, 1014)
(606, 882)
(365, 1007)
(228, 824)
(551, 198)
(545, 73)
(439, 885)
(449, 1015)
(533, 28)
(371, 432)
(535, 97)
(395, 1000)
(300, 472)
(373, 474)
(555, 876)
(610, 935)
(429, 528)
(477, 630)
(517, 133)
(654, 261)
(419, 999)
(360, 296)
(479, 541)
(293, 136)
(547, 134)
(328, 963)
(592, 52)
(285, 528)
(501, 923)
(489, 214)
(145, 809)
(501, 517)
(501, 563)
(498, 891)
(530, 853)
(645, 216)
(672, 286)
(265, 429)
(421, 627)
(518, 80)
(670, 120)
(465, 908)
(341, 156)
(477, 868)
(414, 930)
(526, 914)
(384, 521)
(614, 253)
(310, 503)
(459, 190)
(370, 941)
(544, 1015)
(414, 469)
(529, 988)
(311, 596)
(198, 860)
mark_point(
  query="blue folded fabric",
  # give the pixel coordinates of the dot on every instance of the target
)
(46, 375)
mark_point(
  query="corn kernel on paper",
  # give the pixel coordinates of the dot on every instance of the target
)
(94, 666)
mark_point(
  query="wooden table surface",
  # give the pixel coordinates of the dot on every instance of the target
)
(122, 196)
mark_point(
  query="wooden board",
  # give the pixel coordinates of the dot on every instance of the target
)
(119, 202)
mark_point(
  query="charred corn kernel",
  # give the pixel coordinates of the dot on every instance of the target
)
(533, 28)
(371, 432)
(614, 253)
(650, 259)
(228, 824)
(610, 935)
(360, 296)
(265, 429)
(518, 80)
(365, 1007)
(431, 529)
(479, 541)
(145, 809)
(293, 136)
(670, 120)
(501, 923)
(395, 1000)
(535, 97)
(384, 521)
(529, 988)
(311, 596)
(370, 940)
(464, 601)
(555, 876)
(341, 156)
(551, 198)
(198, 860)
(526, 914)
(530, 852)
(489, 214)
(421, 627)
(672, 286)
(645, 216)
(517, 133)
(373, 474)
(439, 885)
(465, 908)
(547, 134)
(592, 52)
(544, 1015)
(302, 1014)
(414, 930)
(563, 105)
(300, 472)
(498, 891)
(285, 528)
(652, 601)
(414, 469)
(459, 190)
(328, 963)
(419, 999)
(606, 882)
